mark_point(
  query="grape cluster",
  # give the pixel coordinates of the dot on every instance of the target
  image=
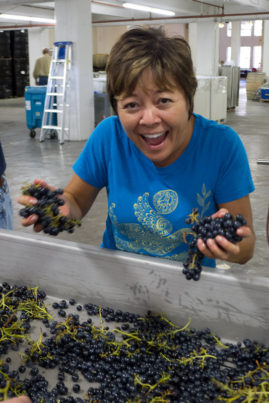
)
(47, 209)
(208, 228)
(104, 355)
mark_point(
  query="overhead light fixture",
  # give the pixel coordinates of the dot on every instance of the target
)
(27, 18)
(221, 24)
(148, 9)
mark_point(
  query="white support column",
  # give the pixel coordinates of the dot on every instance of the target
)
(235, 42)
(266, 49)
(204, 43)
(73, 23)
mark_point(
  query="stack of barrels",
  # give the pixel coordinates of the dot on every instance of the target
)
(254, 81)
(20, 61)
(14, 63)
(6, 82)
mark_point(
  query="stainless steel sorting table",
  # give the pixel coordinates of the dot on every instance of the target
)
(233, 303)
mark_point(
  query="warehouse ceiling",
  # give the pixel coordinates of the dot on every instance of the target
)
(112, 12)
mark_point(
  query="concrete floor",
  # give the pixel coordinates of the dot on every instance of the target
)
(28, 159)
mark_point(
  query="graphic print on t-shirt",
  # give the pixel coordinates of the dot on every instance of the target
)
(153, 234)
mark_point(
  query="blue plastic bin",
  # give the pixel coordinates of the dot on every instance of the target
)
(265, 93)
(34, 107)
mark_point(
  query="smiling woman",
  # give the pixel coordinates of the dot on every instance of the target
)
(156, 120)
(157, 159)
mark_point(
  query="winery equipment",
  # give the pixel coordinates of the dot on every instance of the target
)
(102, 107)
(202, 97)
(210, 99)
(233, 81)
(218, 104)
(233, 303)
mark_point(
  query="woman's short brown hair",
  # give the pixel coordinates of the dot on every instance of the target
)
(141, 48)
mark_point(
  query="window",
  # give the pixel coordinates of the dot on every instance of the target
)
(245, 57)
(257, 57)
(258, 28)
(246, 28)
(229, 29)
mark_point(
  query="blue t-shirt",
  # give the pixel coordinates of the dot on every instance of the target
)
(148, 205)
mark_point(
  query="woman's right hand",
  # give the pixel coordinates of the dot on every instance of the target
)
(31, 201)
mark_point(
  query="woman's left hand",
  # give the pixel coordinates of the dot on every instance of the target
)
(221, 248)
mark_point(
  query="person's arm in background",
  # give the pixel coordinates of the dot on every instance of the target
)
(240, 252)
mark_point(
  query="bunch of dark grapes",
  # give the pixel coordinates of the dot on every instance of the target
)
(208, 228)
(47, 209)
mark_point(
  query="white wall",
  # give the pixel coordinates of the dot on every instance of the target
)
(192, 39)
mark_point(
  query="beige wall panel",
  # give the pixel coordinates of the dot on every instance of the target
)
(105, 37)
(51, 37)
(175, 29)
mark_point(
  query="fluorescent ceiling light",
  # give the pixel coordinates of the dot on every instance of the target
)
(27, 18)
(149, 9)
(221, 25)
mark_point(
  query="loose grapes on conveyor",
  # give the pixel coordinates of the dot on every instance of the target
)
(87, 353)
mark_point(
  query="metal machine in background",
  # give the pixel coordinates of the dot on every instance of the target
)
(210, 99)
(102, 107)
(202, 97)
(233, 82)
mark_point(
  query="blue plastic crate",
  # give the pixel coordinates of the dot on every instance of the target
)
(264, 93)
